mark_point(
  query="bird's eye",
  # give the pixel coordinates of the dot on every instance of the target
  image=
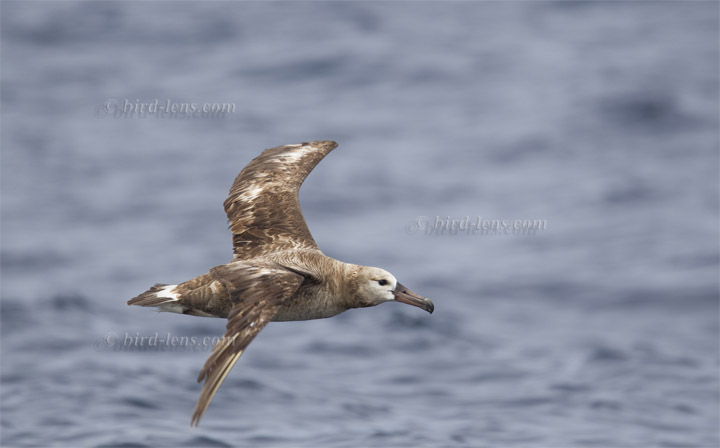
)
(382, 282)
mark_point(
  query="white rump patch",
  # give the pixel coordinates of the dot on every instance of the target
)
(170, 307)
(168, 292)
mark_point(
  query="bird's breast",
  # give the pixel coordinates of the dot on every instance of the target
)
(309, 303)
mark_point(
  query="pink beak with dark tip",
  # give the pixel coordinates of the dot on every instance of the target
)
(404, 295)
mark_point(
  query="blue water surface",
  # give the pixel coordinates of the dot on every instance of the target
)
(598, 120)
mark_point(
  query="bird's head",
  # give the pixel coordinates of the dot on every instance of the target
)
(376, 286)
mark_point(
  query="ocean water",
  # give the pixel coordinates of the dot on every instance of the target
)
(596, 120)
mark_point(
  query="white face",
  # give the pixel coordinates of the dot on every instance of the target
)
(378, 286)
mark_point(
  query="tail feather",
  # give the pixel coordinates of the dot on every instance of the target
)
(155, 296)
(191, 297)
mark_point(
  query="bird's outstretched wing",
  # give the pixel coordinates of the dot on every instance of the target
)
(256, 293)
(263, 207)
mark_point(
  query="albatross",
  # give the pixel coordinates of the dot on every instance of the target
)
(277, 272)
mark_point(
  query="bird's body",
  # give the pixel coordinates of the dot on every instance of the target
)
(277, 272)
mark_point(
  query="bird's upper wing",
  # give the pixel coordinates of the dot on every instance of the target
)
(257, 292)
(263, 207)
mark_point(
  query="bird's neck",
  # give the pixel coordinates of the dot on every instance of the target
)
(349, 290)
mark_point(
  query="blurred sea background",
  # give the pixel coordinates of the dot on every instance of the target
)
(600, 118)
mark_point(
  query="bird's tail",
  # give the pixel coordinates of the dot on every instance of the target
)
(164, 297)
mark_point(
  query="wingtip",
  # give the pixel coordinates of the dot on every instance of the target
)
(325, 144)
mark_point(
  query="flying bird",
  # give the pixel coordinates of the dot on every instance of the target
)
(277, 272)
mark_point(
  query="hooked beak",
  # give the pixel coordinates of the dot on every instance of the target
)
(404, 295)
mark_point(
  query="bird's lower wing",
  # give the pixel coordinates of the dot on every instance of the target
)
(257, 293)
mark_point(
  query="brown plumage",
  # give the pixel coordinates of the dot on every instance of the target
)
(277, 272)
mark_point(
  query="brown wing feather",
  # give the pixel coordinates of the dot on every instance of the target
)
(257, 293)
(263, 207)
